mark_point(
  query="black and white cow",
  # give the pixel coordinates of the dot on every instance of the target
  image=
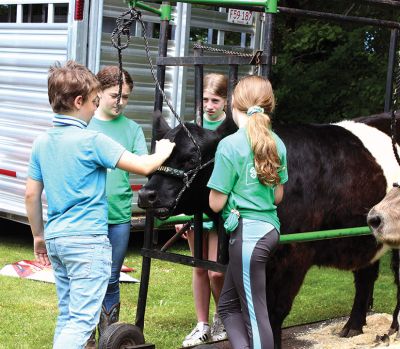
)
(337, 172)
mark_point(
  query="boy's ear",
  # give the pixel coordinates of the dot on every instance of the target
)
(78, 101)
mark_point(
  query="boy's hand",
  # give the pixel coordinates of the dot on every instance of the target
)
(164, 147)
(40, 251)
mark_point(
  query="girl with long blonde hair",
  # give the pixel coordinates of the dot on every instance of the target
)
(247, 185)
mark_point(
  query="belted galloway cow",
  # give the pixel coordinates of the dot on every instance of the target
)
(337, 172)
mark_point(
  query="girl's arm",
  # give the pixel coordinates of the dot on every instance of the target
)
(217, 200)
(278, 194)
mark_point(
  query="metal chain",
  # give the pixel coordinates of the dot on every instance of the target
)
(393, 123)
(123, 28)
(197, 45)
(221, 50)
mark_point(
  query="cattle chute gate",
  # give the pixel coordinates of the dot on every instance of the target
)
(264, 61)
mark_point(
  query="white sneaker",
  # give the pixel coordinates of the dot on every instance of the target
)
(218, 332)
(200, 334)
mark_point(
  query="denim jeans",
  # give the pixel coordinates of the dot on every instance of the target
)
(119, 239)
(82, 268)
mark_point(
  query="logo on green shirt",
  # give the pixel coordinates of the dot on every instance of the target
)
(251, 174)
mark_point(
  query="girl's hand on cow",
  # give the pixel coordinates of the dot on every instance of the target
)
(164, 147)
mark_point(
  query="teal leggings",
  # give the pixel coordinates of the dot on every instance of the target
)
(242, 305)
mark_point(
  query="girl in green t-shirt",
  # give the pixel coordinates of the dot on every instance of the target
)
(207, 282)
(247, 182)
(110, 120)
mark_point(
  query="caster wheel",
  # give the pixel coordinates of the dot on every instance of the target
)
(120, 336)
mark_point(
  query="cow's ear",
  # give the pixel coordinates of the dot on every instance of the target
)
(160, 126)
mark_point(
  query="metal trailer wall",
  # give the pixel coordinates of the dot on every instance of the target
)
(28, 49)
(26, 52)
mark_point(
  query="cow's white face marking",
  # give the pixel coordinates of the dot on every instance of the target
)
(379, 145)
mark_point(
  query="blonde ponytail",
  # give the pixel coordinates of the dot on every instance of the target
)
(253, 96)
(266, 159)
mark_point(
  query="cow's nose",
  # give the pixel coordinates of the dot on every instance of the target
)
(147, 198)
(374, 220)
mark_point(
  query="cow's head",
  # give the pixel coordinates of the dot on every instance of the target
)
(162, 190)
(384, 219)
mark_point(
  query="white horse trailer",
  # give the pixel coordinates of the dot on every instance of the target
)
(34, 34)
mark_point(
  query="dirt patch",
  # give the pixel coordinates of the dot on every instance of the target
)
(324, 335)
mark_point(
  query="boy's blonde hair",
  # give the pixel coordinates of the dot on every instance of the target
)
(67, 82)
(216, 84)
(253, 91)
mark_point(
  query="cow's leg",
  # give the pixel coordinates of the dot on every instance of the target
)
(394, 327)
(364, 280)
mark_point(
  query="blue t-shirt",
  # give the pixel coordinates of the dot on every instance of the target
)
(71, 161)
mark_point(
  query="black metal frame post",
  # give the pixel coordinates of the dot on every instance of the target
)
(198, 105)
(269, 25)
(149, 226)
(392, 59)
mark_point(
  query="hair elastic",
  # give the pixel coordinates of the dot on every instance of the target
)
(254, 109)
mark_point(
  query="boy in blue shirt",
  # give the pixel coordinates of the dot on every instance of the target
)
(70, 163)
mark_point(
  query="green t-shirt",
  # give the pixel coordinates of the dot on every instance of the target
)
(234, 174)
(210, 125)
(118, 189)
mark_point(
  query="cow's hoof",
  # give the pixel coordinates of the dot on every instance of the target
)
(347, 333)
(382, 339)
(391, 331)
(353, 333)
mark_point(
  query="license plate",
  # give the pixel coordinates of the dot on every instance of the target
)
(240, 16)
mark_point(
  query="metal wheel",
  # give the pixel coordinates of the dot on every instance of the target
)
(120, 336)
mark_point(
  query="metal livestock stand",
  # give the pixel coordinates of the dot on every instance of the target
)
(129, 336)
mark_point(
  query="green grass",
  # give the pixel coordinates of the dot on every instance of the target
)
(28, 308)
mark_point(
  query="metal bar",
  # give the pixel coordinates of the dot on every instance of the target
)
(232, 80)
(394, 3)
(149, 226)
(207, 60)
(182, 259)
(268, 42)
(339, 18)
(223, 239)
(176, 237)
(162, 52)
(394, 35)
(144, 7)
(145, 277)
(324, 234)
(223, 3)
(198, 88)
(176, 220)
(198, 236)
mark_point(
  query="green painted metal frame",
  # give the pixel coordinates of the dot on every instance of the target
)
(284, 238)
(270, 6)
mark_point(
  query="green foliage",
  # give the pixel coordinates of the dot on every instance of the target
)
(326, 72)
